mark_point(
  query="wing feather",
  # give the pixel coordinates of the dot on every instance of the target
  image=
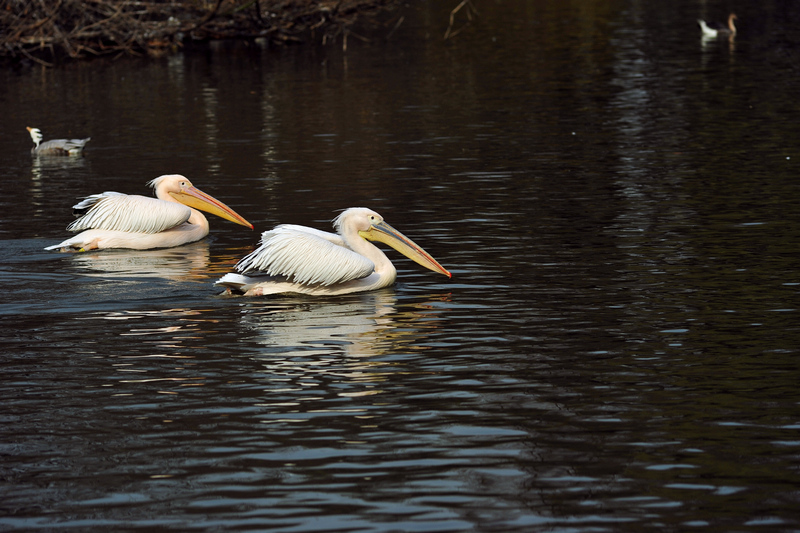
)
(307, 256)
(129, 213)
(328, 236)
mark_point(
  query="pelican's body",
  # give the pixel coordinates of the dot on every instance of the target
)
(297, 259)
(56, 146)
(115, 220)
(715, 29)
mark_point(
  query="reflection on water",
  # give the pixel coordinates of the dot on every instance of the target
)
(46, 174)
(729, 40)
(617, 350)
(296, 343)
(343, 340)
(44, 164)
(310, 329)
(183, 263)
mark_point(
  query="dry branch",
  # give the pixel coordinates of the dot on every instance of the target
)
(469, 9)
(82, 28)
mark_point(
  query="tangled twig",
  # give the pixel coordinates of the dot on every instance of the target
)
(44, 31)
(469, 9)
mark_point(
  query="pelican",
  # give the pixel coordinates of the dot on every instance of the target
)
(116, 220)
(715, 29)
(56, 146)
(298, 259)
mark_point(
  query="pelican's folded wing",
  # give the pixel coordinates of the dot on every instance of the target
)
(129, 213)
(307, 256)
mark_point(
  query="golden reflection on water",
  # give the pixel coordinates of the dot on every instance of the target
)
(183, 263)
(303, 349)
(361, 327)
(338, 347)
(190, 262)
(138, 314)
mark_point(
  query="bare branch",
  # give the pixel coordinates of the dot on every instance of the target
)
(45, 31)
(470, 8)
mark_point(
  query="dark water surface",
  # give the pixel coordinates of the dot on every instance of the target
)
(618, 349)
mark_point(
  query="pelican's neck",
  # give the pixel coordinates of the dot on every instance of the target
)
(195, 219)
(198, 219)
(163, 195)
(383, 266)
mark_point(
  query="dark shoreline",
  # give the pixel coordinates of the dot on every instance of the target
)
(78, 29)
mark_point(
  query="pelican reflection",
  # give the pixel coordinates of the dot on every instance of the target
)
(185, 263)
(345, 340)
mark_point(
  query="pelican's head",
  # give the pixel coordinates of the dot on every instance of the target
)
(371, 226)
(174, 187)
(36, 135)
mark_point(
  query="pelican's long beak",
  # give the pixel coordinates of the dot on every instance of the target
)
(194, 197)
(386, 234)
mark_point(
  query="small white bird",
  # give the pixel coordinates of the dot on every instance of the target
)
(56, 146)
(116, 220)
(716, 29)
(298, 259)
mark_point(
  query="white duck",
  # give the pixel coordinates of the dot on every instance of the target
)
(716, 29)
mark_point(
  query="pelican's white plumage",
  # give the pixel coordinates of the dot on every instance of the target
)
(116, 220)
(308, 257)
(115, 211)
(305, 260)
(56, 146)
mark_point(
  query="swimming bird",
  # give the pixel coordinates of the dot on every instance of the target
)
(299, 259)
(56, 146)
(715, 29)
(116, 220)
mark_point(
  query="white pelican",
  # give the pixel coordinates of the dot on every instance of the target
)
(308, 261)
(56, 146)
(715, 29)
(116, 220)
